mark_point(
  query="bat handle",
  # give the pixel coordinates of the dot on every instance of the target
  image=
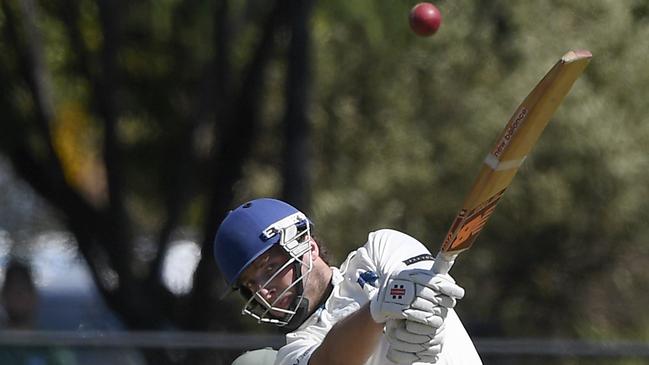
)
(443, 262)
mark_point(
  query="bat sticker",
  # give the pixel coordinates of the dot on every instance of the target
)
(467, 225)
(509, 132)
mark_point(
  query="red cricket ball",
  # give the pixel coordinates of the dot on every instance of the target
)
(425, 19)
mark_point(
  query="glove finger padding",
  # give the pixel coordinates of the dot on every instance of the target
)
(400, 357)
(422, 329)
(397, 329)
(423, 317)
(409, 347)
(426, 360)
(434, 308)
(443, 284)
(402, 340)
(433, 297)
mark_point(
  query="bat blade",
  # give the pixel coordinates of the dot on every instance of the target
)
(512, 146)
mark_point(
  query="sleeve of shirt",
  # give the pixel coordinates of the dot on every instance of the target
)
(388, 251)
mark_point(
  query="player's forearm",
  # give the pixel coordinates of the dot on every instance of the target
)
(351, 341)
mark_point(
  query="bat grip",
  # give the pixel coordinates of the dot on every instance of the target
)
(443, 262)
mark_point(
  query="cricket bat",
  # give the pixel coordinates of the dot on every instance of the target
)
(501, 164)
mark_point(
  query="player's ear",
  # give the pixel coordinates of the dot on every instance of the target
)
(315, 249)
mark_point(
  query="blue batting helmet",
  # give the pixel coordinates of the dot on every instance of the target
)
(244, 235)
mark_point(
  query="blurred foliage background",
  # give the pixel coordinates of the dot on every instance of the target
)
(135, 119)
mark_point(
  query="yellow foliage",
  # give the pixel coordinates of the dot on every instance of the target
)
(75, 142)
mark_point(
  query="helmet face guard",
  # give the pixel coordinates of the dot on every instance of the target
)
(295, 238)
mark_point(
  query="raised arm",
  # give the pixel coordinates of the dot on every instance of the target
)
(351, 341)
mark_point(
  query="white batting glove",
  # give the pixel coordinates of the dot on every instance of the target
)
(416, 294)
(409, 347)
(419, 338)
(440, 293)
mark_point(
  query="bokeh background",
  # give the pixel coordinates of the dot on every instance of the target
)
(129, 128)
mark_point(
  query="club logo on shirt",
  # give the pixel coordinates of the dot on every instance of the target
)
(367, 277)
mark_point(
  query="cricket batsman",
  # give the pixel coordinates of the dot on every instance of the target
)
(382, 306)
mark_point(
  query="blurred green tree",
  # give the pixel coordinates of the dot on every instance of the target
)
(137, 119)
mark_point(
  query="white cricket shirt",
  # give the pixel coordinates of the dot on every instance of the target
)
(385, 251)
